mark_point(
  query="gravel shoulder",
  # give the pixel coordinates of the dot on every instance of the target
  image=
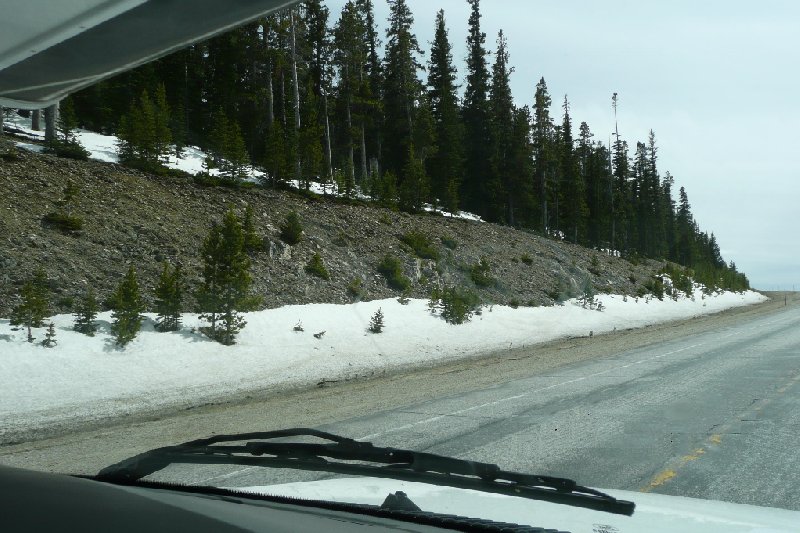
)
(86, 448)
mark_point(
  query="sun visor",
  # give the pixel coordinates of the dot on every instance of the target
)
(94, 40)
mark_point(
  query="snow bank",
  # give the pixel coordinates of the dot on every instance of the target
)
(89, 377)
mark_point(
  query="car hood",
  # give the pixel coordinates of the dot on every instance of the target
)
(655, 513)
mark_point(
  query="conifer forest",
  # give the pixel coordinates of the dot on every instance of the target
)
(309, 95)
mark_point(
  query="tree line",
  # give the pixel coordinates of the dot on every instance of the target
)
(307, 95)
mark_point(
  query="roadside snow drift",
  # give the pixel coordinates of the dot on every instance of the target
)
(86, 378)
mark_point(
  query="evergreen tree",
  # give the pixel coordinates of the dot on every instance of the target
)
(501, 129)
(446, 165)
(127, 306)
(86, 313)
(144, 135)
(401, 86)
(574, 188)
(414, 188)
(543, 151)
(226, 280)
(292, 229)
(376, 324)
(35, 304)
(169, 299)
(252, 241)
(475, 113)
(50, 337)
(275, 160)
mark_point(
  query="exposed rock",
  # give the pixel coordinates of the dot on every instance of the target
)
(131, 218)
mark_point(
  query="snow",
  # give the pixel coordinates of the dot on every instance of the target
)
(89, 377)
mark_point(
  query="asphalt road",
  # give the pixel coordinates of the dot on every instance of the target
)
(709, 409)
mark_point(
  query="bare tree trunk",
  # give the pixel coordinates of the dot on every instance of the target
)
(296, 89)
(270, 99)
(36, 120)
(351, 170)
(328, 155)
(50, 120)
(364, 174)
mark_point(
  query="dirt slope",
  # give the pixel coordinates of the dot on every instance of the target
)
(136, 219)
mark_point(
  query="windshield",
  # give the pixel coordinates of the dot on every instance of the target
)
(552, 237)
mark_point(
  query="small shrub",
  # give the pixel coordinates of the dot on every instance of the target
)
(376, 322)
(385, 219)
(526, 259)
(480, 273)
(63, 222)
(456, 305)
(450, 243)
(421, 244)
(298, 328)
(65, 302)
(50, 337)
(292, 229)
(355, 289)
(67, 149)
(316, 267)
(594, 265)
(514, 303)
(655, 286)
(392, 269)
(341, 240)
(632, 279)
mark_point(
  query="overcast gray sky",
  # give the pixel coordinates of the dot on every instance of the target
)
(717, 81)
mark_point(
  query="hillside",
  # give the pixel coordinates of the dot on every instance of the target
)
(131, 218)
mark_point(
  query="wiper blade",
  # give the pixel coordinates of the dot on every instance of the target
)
(367, 460)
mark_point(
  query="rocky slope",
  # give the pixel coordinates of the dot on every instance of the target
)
(131, 218)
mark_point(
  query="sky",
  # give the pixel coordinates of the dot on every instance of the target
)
(717, 81)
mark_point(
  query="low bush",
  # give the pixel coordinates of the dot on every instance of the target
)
(316, 267)
(481, 273)
(455, 305)
(421, 245)
(63, 222)
(450, 243)
(392, 269)
(526, 259)
(292, 229)
(355, 289)
(67, 149)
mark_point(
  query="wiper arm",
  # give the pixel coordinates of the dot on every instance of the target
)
(369, 460)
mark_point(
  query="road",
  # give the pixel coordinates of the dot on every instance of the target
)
(709, 408)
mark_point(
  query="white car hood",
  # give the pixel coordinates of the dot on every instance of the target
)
(655, 513)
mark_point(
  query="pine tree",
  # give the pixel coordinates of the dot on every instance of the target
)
(446, 165)
(475, 113)
(376, 324)
(574, 188)
(414, 188)
(401, 85)
(50, 337)
(127, 306)
(275, 160)
(252, 241)
(86, 313)
(226, 280)
(542, 150)
(169, 299)
(35, 304)
(291, 229)
(501, 129)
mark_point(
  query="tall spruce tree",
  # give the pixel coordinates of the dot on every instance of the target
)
(543, 150)
(169, 298)
(475, 113)
(574, 187)
(501, 131)
(401, 86)
(127, 306)
(446, 165)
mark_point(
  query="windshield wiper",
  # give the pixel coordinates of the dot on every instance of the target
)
(351, 457)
